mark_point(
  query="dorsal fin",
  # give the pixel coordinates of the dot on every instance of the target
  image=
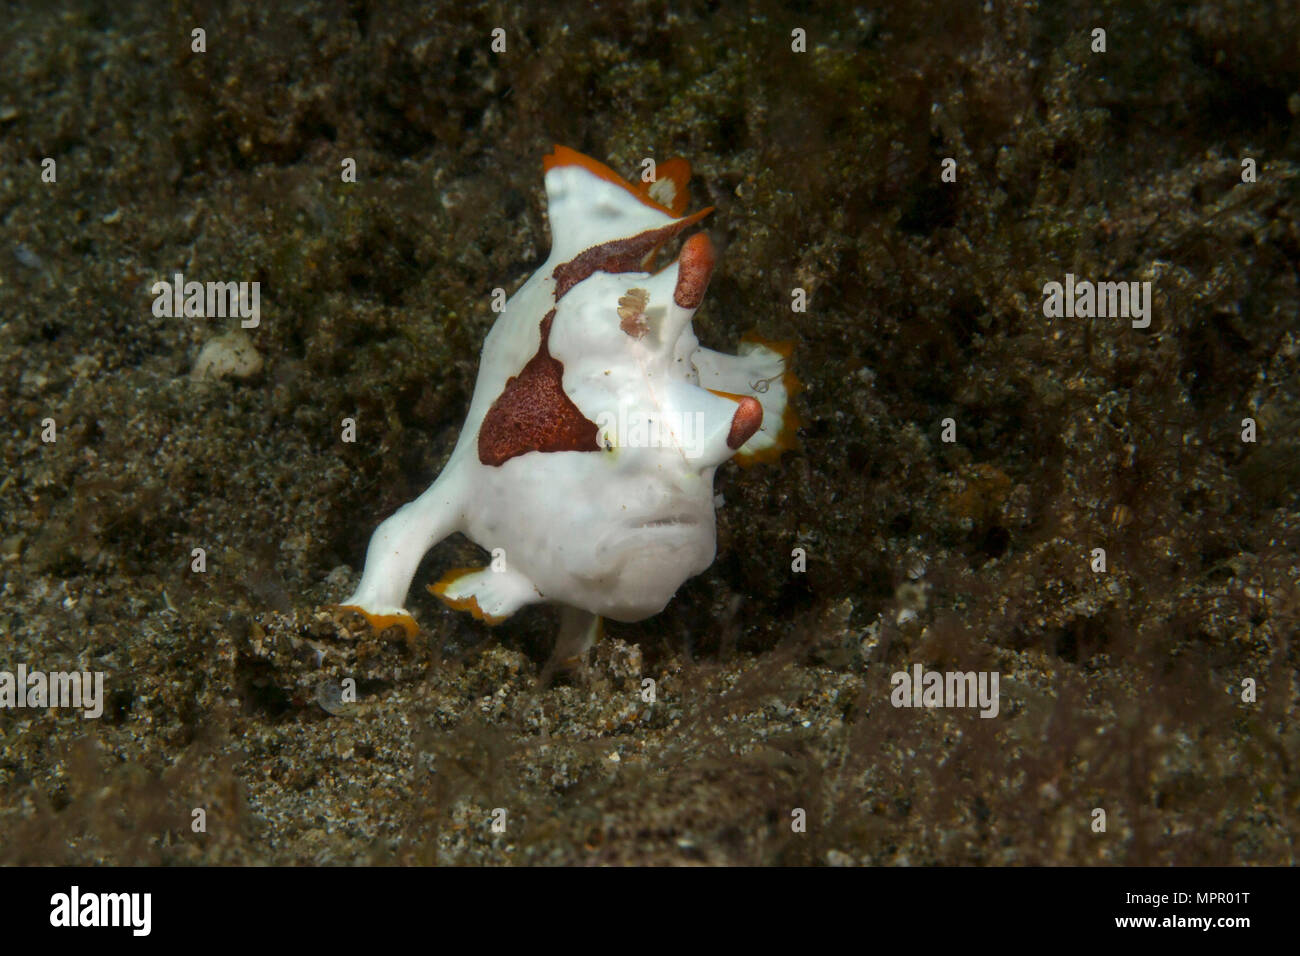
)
(667, 194)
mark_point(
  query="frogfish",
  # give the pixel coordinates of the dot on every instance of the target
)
(585, 465)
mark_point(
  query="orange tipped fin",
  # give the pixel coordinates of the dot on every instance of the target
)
(786, 438)
(667, 193)
(669, 187)
(382, 622)
(467, 603)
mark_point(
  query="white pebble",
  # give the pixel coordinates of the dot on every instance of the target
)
(231, 354)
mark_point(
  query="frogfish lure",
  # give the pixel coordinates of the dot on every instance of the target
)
(585, 465)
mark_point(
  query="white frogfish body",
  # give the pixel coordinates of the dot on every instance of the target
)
(585, 465)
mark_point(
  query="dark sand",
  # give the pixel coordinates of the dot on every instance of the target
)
(1119, 690)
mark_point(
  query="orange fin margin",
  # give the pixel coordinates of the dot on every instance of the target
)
(786, 438)
(668, 191)
(381, 622)
(676, 172)
(439, 590)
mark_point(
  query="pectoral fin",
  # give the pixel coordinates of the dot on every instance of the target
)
(491, 596)
(395, 550)
(761, 370)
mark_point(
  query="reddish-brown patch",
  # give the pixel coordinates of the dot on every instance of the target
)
(532, 413)
(619, 255)
(694, 267)
(747, 420)
(787, 439)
